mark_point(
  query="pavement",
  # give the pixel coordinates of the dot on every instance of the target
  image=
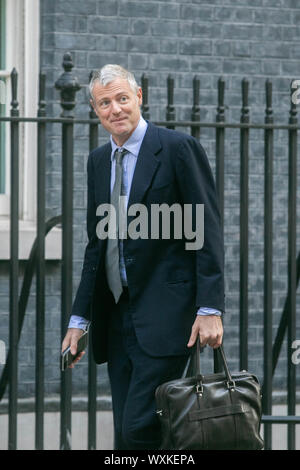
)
(26, 424)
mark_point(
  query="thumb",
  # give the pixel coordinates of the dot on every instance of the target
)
(193, 337)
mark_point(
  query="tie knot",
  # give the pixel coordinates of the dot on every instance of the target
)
(119, 154)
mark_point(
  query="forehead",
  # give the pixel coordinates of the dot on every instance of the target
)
(116, 87)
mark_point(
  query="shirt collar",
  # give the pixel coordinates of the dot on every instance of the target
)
(133, 144)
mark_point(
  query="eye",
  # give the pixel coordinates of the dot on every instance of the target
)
(123, 99)
(103, 104)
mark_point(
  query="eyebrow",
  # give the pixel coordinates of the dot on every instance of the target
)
(107, 98)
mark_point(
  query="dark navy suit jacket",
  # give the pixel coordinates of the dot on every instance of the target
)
(166, 282)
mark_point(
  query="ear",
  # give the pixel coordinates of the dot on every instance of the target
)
(140, 96)
(92, 104)
(94, 107)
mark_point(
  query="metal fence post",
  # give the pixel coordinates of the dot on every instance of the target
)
(195, 130)
(220, 146)
(244, 154)
(220, 154)
(14, 268)
(170, 111)
(145, 105)
(92, 368)
(268, 269)
(40, 270)
(68, 86)
(292, 269)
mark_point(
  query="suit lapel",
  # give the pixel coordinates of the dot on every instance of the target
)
(146, 166)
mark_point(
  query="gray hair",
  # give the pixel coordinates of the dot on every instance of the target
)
(110, 72)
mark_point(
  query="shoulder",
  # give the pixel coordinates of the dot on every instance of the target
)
(174, 136)
(97, 155)
(171, 135)
(180, 143)
(101, 151)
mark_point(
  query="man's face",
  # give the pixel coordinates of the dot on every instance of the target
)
(118, 108)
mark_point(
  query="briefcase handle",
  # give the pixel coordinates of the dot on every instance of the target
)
(195, 364)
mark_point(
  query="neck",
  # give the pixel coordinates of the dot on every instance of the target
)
(120, 140)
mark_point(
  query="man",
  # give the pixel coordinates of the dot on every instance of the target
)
(148, 298)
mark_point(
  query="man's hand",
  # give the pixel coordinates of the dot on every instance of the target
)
(210, 330)
(71, 339)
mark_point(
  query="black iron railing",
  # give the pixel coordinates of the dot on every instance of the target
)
(68, 86)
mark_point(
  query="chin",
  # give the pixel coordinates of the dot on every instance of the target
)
(120, 125)
(122, 132)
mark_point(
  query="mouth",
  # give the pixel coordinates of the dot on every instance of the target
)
(119, 120)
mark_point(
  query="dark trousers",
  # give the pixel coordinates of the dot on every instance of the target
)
(134, 376)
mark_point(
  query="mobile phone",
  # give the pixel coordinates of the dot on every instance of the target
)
(67, 358)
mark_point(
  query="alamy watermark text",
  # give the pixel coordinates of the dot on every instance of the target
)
(186, 222)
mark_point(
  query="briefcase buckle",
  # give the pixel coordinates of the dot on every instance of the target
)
(199, 389)
(230, 384)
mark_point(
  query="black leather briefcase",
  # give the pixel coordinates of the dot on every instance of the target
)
(215, 411)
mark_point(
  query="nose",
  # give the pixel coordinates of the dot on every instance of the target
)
(115, 107)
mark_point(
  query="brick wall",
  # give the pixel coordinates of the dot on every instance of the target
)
(232, 38)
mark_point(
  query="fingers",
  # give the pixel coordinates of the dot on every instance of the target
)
(77, 359)
(210, 331)
(212, 336)
(213, 339)
(71, 339)
(214, 342)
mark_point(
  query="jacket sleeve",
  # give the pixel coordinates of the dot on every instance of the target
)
(82, 302)
(197, 186)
